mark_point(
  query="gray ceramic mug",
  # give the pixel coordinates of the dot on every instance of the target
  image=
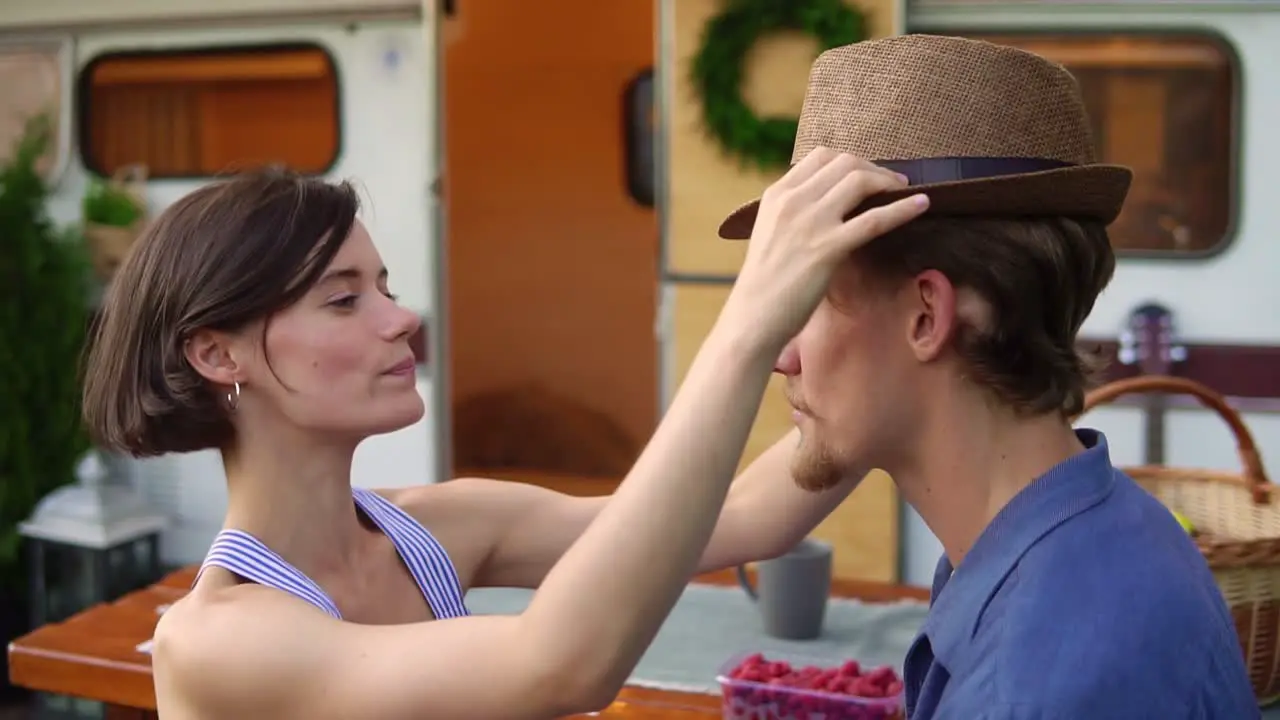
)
(791, 591)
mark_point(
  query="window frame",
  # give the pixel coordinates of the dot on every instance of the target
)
(84, 89)
(63, 48)
(1235, 144)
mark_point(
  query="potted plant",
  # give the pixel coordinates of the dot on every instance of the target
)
(115, 211)
(44, 314)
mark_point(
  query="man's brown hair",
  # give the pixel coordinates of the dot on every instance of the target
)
(1040, 277)
(226, 255)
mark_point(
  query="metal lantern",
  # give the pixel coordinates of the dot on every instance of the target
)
(89, 542)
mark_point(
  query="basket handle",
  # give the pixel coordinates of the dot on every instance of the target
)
(1254, 474)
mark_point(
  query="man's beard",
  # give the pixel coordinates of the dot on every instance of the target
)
(814, 468)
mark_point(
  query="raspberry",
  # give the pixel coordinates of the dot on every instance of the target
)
(778, 689)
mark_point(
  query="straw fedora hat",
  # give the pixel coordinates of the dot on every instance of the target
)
(982, 129)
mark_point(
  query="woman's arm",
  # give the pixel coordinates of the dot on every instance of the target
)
(528, 528)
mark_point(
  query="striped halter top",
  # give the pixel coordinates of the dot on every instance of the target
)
(240, 553)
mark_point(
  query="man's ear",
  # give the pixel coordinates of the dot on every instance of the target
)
(210, 354)
(932, 300)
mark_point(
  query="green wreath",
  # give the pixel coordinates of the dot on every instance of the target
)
(718, 68)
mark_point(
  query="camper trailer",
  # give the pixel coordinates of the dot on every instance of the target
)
(538, 182)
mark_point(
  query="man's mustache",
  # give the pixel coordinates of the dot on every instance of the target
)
(793, 399)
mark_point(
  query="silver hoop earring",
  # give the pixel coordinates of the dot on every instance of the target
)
(233, 399)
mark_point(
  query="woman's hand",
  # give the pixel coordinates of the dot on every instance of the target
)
(800, 236)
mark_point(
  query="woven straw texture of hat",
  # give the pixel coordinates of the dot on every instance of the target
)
(923, 96)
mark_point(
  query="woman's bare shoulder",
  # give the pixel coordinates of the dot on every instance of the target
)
(218, 599)
(467, 515)
(465, 500)
(215, 649)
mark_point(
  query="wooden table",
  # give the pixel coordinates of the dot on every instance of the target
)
(94, 654)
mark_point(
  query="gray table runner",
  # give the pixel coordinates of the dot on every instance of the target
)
(709, 625)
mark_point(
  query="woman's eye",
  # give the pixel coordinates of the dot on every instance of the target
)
(348, 302)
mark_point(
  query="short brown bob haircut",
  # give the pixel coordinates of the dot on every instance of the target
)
(229, 254)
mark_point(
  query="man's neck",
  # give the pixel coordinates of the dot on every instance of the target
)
(967, 466)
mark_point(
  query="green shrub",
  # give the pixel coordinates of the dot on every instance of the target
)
(44, 290)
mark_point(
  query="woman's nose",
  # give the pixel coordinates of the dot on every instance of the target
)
(402, 322)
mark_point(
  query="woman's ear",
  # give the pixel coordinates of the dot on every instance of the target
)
(210, 354)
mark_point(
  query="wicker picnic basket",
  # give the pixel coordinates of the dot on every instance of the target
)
(1237, 525)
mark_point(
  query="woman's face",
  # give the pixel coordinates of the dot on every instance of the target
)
(340, 361)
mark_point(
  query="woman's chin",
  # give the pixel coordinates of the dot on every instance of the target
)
(394, 414)
(407, 412)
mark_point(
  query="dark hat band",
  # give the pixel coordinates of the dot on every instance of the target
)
(927, 171)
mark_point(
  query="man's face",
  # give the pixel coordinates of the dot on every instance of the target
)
(853, 380)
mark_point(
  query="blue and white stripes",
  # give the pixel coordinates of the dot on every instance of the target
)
(243, 554)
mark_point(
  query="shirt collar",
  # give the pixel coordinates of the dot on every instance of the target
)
(1066, 490)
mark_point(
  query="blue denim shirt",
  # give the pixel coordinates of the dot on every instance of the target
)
(1083, 600)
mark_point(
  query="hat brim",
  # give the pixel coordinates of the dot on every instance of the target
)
(1095, 192)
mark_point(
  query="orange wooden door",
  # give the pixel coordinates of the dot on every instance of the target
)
(552, 263)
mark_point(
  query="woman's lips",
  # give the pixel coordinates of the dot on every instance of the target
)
(404, 367)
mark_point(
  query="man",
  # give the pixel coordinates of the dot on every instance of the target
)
(945, 355)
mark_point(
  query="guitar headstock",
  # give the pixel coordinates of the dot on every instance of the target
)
(1150, 340)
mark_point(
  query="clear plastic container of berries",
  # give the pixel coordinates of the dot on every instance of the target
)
(783, 686)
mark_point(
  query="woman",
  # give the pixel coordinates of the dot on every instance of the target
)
(254, 317)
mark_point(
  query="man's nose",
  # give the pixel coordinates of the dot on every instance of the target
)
(788, 363)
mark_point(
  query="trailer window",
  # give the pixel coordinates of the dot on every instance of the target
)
(205, 112)
(35, 83)
(1164, 105)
